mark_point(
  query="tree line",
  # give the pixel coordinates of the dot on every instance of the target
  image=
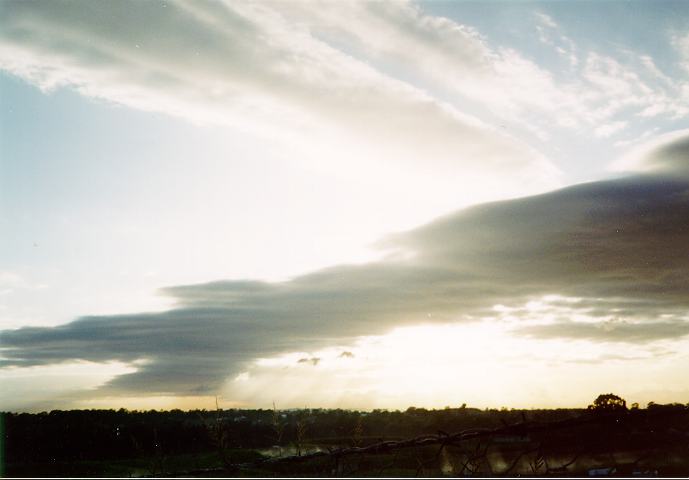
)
(74, 435)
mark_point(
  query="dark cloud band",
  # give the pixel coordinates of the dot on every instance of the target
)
(621, 246)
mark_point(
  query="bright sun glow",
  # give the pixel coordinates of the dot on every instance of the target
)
(482, 364)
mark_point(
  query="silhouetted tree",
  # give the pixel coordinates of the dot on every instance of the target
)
(608, 402)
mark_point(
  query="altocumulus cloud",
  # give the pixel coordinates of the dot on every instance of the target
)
(618, 247)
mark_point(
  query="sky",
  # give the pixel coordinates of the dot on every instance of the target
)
(343, 204)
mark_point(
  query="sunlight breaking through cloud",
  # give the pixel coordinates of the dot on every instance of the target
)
(609, 249)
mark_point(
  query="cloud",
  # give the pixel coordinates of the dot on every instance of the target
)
(610, 331)
(308, 78)
(313, 360)
(550, 33)
(546, 20)
(391, 82)
(648, 62)
(609, 129)
(616, 247)
(388, 80)
(260, 69)
(444, 53)
(664, 154)
(681, 45)
(10, 281)
(508, 83)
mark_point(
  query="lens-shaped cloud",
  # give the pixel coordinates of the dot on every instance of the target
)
(619, 246)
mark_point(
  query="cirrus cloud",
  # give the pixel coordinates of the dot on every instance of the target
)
(256, 68)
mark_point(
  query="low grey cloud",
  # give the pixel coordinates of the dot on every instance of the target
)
(664, 154)
(610, 331)
(619, 246)
(313, 360)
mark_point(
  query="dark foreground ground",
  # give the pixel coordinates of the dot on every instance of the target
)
(416, 442)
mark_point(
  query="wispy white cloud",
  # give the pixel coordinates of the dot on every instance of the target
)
(648, 62)
(263, 69)
(609, 129)
(681, 44)
(9, 280)
(550, 33)
(363, 74)
(502, 80)
(546, 20)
